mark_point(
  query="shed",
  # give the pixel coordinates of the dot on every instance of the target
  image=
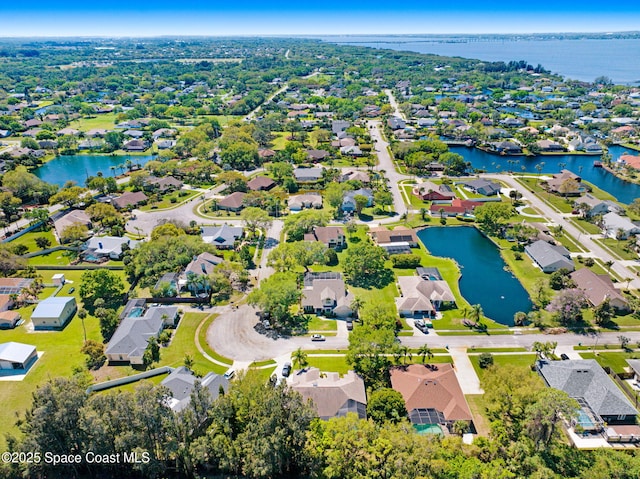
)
(17, 355)
(53, 312)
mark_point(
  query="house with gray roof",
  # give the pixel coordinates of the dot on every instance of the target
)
(107, 247)
(422, 297)
(349, 201)
(222, 237)
(613, 223)
(327, 296)
(53, 312)
(130, 340)
(181, 382)
(598, 206)
(586, 381)
(308, 200)
(330, 394)
(204, 263)
(549, 257)
(483, 187)
(338, 126)
(71, 218)
(308, 175)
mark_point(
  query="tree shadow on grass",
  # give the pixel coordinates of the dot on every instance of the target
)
(378, 281)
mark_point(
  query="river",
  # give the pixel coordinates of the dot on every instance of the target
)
(582, 165)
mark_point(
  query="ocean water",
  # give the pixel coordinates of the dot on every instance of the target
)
(578, 59)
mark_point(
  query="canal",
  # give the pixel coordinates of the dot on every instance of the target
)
(484, 280)
(582, 165)
(78, 168)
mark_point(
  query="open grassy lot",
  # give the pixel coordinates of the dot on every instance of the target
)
(104, 121)
(590, 228)
(322, 324)
(478, 410)
(618, 248)
(521, 360)
(414, 201)
(29, 240)
(171, 200)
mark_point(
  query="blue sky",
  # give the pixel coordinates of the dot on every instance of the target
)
(251, 17)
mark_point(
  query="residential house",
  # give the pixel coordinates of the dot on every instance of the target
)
(400, 236)
(614, 226)
(68, 131)
(129, 200)
(308, 200)
(396, 123)
(53, 312)
(598, 206)
(181, 382)
(549, 146)
(137, 326)
(72, 218)
(355, 175)
(9, 319)
(549, 257)
(308, 175)
(233, 202)
(349, 202)
(556, 183)
(483, 187)
(506, 148)
(420, 297)
(134, 133)
(330, 236)
(265, 153)
(17, 356)
(317, 155)
(330, 394)
(351, 150)
(338, 126)
(598, 287)
(432, 396)
(203, 264)
(325, 293)
(111, 247)
(457, 207)
(222, 237)
(428, 191)
(165, 144)
(136, 145)
(601, 400)
(261, 183)
(168, 183)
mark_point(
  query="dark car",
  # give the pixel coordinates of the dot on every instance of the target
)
(564, 357)
(349, 325)
(286, 370)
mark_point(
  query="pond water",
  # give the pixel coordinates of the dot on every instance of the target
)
(580, 164)
(79, 167)
(484, 280)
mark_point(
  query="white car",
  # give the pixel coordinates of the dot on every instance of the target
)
(317, 337)
(229, 374)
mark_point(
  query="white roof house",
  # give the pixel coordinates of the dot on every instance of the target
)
(111, 246)
(16, 355)
(53, 312)
(613, 222)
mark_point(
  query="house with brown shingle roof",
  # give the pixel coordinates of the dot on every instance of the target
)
(73, 217)
(129, 199)
(330, 236)
(261, 183)
(233, 202)
(598, 287)
(400, 234)
(330, 394)
(432, 395)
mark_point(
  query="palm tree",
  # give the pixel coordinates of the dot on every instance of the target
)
(459, 428)
(299, 358)
(476, 313)
(423, 213)
(356, 304)
(188, 361)
(425, 352)
(608, 264)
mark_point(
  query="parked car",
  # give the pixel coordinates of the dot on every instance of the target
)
(229, 374)
(564, 357)
(286, 370)
(317, 337)
(421, 325)
(349, 325)
(71, 289)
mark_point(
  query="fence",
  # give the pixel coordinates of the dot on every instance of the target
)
(129, 379)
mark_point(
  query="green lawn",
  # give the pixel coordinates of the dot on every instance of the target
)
(329, 363)
(166, 203)
(105, 121)
(617, 247)
(202, 339)
(522, 360)
(590, 228)
(280, 140)
(496, 350)
(414, 201)
(615, 361)
(321, 324)
(29, 240)
(478, 410)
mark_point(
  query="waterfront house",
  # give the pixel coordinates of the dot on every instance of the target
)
(399, 235)
(549, 257)
(506, 148)
(420, 297)
(483, 187)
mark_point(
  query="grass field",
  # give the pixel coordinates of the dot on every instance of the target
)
(321, 324)
(614, 360)
(105, 121)
(617, 247)
(521, 360)
(29, 240)
(166, 203)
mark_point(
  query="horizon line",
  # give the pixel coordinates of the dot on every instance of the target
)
(314, 35)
